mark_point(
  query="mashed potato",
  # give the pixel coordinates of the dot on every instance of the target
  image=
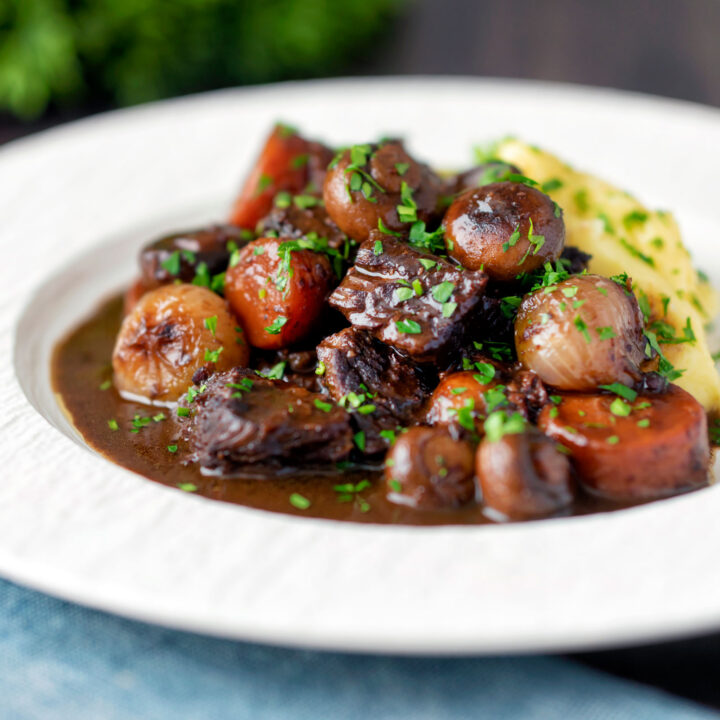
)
(623, 236)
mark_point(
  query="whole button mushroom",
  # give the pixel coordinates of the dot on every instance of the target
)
(429, 469)
(521, 474)
(505, 228)
(379, 186)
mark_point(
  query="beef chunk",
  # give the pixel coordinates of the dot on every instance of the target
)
(577, 259)
(416, 302)
(294, 366)
(381, 388)
(179, 256)
(293, 221)
(243, 418)
(527, 393)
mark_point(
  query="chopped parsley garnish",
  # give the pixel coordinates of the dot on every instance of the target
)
(403, 293)
(324, 406)
(388, 435)
(448, 309)
(409, 327)
(420, 238)
(159, 417)
(499, 424)
(359, 439)
(264, 182)
(643, 423)
(637, 253)
(113, 424)
(106, 385)
(300, 161)
(607, 225)
(581, 200)
(665, 367)
(485, 372)
(183, 411)
(187, 487)
(407, 212)
(613, 440)
(172, 264)
(277, 325)
(320, 369)
(536, 242)
(402, 168)
(210, 324)
(417, 287)
(620, 408)
(551, 184)
(212, 356)
(636, 217)
(622, 390)
(172, 448)
(443, 291)
(276, 372)
(259, 250)
(428, 264)
(512, 240)
(395, 486)
(283, 199)
(299, 501)
(581, 325)
(387, 231)
(570, 292)
(605, 333)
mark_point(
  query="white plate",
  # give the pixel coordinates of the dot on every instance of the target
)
(73, 524)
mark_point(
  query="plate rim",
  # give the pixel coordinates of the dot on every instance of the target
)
(63, 588)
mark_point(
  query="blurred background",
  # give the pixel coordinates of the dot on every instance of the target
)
(62, 59)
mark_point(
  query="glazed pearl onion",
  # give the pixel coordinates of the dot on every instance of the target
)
(587, 331)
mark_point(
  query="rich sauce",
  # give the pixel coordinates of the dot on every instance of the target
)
(82, 377)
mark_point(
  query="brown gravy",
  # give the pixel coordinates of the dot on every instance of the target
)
(81, 376)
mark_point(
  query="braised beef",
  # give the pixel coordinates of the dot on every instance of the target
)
(296, 221)
(383, 389)
(293, 366)
(243, 418)
(179, 256)
(419, 303)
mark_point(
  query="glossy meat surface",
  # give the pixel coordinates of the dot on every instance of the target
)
(243, 418)
(383, 390)
(415, 302)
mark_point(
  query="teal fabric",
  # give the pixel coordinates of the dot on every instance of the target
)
(59, 661)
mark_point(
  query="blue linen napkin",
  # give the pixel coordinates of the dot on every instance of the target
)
(61, 661)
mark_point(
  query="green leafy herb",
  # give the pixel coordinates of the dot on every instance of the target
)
(552, 184)
(581, 325)
(443, 291)
(277, 325)
(636, 217)
(113, 424)
(606, 333)
(210, 324)
(409, 327)
(324, 406)
(635, 252)
(320, 369)
(448, 309)
(299, 501)
(620, 408)
(187, 487)
(622, 390)
(212, 356)
(359, 439)
(499, 423)
(276, 372)
(106, 385)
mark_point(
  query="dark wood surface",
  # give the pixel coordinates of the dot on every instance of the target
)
(666, 47)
